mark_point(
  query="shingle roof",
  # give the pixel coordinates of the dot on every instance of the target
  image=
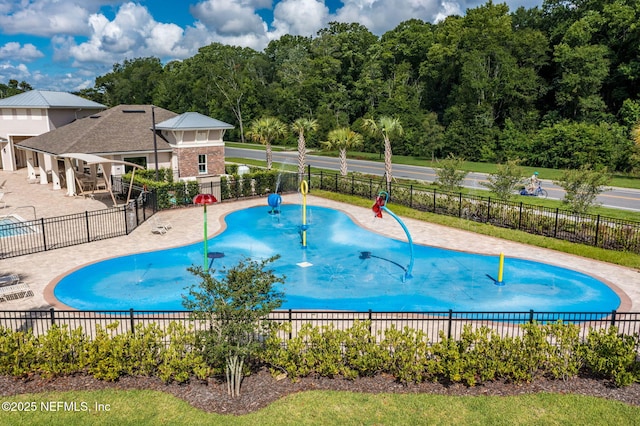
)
(192, 121)
(48, 99)
(124, 128)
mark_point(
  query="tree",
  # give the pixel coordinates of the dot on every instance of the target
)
(504, 181)
(448, 175)
(235, 307)
(343, 139)
(266, 130)
(388, 128)
(133, 82)
(300, 126)
(582, 186)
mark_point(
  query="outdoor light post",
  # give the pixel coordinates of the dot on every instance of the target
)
(203, 200)
(155, 143)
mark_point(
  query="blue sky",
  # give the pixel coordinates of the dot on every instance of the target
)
(66, 44)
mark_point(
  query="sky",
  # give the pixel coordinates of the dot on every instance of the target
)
(65, 44)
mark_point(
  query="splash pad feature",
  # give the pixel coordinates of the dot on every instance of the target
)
(378, 207)
(304, 189)
(274, 200)
(354, 269)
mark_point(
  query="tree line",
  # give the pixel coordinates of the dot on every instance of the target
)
(553, 86)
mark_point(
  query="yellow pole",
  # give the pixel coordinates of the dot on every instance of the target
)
(304, 188)
(500, 268)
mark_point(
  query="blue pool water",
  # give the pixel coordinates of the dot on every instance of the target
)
(344, 267)
(12, 225)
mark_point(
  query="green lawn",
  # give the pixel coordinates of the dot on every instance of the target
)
(325, 408)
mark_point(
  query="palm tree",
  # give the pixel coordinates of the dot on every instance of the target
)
(343, 139)
(388, 128)
(300, 126)
(265, 130)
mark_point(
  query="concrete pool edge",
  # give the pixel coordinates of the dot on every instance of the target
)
(364, 218)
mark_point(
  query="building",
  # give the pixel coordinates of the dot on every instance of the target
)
(190, 144)
(33, 113)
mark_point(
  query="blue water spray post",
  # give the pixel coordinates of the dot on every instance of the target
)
(381, 205)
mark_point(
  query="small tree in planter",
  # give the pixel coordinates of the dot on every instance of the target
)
(582, 186)
(235, 307)
(505, 180)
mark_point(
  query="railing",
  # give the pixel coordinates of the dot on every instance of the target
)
(433, 324)
(595, 230)
(50, 233)
(44, 234)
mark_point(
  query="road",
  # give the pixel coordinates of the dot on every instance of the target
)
(620, 198)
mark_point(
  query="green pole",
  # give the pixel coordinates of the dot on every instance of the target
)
(206, 250)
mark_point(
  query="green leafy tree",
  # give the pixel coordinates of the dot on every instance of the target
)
(449, 175)
(235, 306)
(388, 128)
(266, 130)
(134, 82)
(582, 186)
(343, 139)
(504, 181)
(302, 126)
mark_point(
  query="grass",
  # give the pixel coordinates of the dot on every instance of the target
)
(631, 260)
(141, 407)
(620, 181)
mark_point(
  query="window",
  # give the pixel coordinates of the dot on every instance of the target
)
(202, 164)
(141, 161)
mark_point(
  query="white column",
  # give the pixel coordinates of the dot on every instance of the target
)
(31, 169)
(70, 176)
(42, 169)
(55, 175)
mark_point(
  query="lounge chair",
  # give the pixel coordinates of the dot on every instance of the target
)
(158, 227)
(2, 202)
(162, 222)
(14, 291)
(9, 280)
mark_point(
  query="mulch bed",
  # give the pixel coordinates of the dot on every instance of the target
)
(261, 389)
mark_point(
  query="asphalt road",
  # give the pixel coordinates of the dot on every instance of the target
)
(620, 198)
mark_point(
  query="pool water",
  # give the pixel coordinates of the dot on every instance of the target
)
(344, 267)
(13, 225)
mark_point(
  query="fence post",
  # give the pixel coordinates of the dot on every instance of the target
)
(291, 322)
(450, 324)
(460, 204)
(86, 219)
(410, 196)
(613, 318)
(370, 188)
(52, 314)
(309, 176)
(555, 226)
(131, 320)
(321, 187)
(434, 200)
(597, 230)
(488, 209)
(520, 217)
(336, 189)
(44, 234)
(126, 225)
(531, 316)
(370, 320)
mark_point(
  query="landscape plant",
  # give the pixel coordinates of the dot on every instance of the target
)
(234, 304)
(582, 186)
(449, 173)
(505, 180)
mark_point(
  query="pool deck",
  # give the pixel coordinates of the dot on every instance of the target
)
(41, 271)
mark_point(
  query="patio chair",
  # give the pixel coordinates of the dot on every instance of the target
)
(15, 292)
(2, 202)
(9, 280)
(162, 222)
(157, 227)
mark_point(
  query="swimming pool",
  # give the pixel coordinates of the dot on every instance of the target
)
(12, 225)
(344, 267)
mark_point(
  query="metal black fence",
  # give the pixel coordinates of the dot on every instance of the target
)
(434, 324)
(594, 230)
(44, 234)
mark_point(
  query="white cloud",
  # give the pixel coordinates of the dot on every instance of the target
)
(229, 18)
(14, 51)
(132, 33)
(299, 17)
(46, 17)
